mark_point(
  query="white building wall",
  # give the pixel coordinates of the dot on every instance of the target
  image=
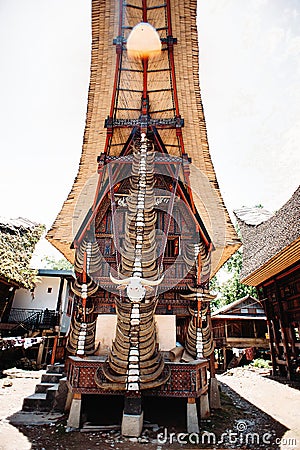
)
(40, 298)
(65, 320)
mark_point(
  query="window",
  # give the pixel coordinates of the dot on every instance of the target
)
(244, 310)
(49, 290)
(172, 248)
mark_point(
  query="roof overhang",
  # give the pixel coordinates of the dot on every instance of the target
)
(280, 262)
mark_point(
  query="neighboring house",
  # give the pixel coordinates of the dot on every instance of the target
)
(18, 238)
(48, 306)
(271, 262)
(239, 326)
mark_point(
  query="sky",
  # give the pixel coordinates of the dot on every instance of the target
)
(250, 84)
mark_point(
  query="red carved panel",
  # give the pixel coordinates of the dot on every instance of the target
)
(186, 380)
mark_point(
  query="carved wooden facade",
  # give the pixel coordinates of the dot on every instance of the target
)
(151, 228)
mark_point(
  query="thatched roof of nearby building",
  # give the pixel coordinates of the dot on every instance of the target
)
(272, 245)
(18, 238)
(208, 198)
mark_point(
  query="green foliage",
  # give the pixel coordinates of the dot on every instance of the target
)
(57, 264)
(232, 289)
(261, 363)
(16, 248)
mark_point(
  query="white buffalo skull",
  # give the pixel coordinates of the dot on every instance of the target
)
(135, 286)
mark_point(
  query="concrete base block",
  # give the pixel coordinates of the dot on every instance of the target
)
(74, 414)
(192, 418)
(214, 394)
(132, 425)
(61, 395)
(68, 401)
(204, 406)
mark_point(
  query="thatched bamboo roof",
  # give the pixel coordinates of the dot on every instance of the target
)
(18, 238)
(271, 246)
(208, 198)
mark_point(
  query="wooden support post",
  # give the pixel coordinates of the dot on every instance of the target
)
(204, 406)
(283, 330)
(271, 344)
(214, 394)
(224, 358)
(293, 340)
(272, 338)
(39, 358)
(212, 368)
(286, 350)
(254, 329)
(54, 350)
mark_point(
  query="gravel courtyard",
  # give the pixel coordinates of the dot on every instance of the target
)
(273, 423)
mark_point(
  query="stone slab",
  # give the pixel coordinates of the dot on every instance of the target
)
(132, 425)
(192, 418)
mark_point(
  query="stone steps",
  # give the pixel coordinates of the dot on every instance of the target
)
(55, 368)
(42, 387)
(50, 377)
(44, 399)
(36, 402)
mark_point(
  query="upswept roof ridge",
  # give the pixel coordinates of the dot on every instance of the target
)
(208, 199)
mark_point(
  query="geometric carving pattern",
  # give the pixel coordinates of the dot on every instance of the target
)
(186, 380)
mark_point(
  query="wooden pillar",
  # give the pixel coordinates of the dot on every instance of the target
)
(214, 394)
(40, 354)
(254, 329)
(271, 344)
(204, 406)
(275, 334)
(54, 350)
(271, 332)
(293, 340)
(283, 331)
(224, 358)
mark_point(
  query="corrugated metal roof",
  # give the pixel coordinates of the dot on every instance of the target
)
(20, 222)
(233, 305)
(237, 316)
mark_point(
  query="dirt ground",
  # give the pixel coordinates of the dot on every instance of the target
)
(239, 424)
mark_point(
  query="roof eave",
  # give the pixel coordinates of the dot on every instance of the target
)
(280, 262)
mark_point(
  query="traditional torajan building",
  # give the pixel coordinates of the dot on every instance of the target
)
(237, 327)
(148, 229)
(271, 262)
